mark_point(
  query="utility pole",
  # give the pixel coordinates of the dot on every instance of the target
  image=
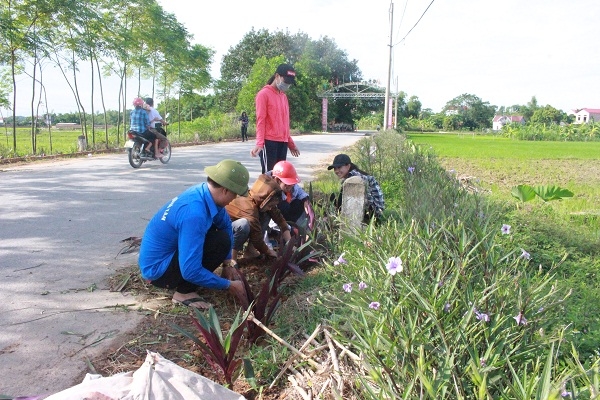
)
(386, 111)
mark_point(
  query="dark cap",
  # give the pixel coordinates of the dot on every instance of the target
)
(339, 161)
(287, 72)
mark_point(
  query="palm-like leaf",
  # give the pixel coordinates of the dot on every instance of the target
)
(523, 192)
(548, 193)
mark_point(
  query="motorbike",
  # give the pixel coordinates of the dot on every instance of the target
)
(136, 148)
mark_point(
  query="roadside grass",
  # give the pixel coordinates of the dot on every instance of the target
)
(475, 306)
(212, 128)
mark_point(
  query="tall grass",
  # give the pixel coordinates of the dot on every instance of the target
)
(481, 307)
(214, 127)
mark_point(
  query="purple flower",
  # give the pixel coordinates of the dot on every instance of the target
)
(347, 287)
(521, 320)
(505, 229)
(374, 305)
(340, 260)
(447, 307)
(362, 286)
(564, 392)
(482, 362)
(525, 255)
(411, 169)
(394, 265)
(482, 316)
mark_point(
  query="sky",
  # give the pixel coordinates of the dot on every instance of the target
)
(502, 52)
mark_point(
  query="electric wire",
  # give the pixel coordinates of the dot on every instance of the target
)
(416, 23)
(402, 18)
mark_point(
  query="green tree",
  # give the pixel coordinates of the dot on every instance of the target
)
(413, 107)
(317, 63)
(475, 113)
(528, 110)
(5, 87)
(15, 41)
(239, 60)
(259, 74)
(547, 115)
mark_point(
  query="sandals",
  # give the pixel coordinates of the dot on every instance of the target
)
(189, 302)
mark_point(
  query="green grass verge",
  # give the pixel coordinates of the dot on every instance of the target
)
(449, 324)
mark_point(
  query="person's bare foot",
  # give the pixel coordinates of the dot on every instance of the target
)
(191, 300)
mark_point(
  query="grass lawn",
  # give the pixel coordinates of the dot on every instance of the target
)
(466, 145)
(499, 164)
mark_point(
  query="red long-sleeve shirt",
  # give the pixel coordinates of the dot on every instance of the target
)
(273, 117)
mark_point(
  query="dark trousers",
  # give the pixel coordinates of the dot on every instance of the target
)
(217, 246)
(244, 132)
(272, 153)
(291, 211)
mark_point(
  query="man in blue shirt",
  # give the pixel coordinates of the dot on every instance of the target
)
(191, 236)
(139, 122)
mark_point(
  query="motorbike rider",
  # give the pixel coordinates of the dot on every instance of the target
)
(139, 122)
(154, 117)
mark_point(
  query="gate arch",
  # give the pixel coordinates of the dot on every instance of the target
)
(353, 90)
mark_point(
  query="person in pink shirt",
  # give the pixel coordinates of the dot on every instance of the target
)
(273, 119)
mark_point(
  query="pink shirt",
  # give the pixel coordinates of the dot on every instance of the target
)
(273, 117)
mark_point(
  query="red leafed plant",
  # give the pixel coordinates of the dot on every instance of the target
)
(219, 351)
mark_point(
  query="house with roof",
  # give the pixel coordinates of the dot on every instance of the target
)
(585, 115)
(500, 120)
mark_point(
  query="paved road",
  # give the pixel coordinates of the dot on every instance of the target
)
(60, 227)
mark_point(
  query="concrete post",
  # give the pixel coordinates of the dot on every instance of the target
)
(81, 143)
(353, 202)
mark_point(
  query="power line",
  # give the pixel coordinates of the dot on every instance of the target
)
(402, 17)
(416, 23)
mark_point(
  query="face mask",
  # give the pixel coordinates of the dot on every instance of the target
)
(282, 86)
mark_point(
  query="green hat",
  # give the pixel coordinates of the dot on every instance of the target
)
(230, 174)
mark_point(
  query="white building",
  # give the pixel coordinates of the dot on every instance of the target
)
(585, 115)
(500, 120)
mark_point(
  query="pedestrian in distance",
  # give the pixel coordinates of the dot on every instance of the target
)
(191, 235)
(244, 120)
(344, 168)
(273, 119)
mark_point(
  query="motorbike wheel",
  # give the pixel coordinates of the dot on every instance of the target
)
(134, 156)
(166, 154)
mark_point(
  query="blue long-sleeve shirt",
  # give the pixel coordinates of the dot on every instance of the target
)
(182, 224)
(138, 120)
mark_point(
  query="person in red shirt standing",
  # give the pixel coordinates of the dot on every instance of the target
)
(273, 119)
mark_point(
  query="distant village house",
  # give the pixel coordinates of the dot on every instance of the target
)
(585, 115)
(500, 120)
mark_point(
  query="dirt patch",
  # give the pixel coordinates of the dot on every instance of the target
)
(156, 333)
(532, 172)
